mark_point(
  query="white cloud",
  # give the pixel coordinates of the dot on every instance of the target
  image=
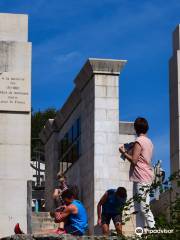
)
(68, 57)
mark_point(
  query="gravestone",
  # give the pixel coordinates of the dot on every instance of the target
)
(15, 120)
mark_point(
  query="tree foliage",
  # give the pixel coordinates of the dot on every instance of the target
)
(38, 120)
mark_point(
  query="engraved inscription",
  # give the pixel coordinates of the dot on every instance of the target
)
(14, 92)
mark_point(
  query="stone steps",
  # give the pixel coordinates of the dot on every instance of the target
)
(41, 214)
(42, 221)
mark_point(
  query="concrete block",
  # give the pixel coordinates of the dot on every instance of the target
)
(101, 184)
(106, 126)
(16, 196)
(99, 161)
(14, 167)
(106, 103)
(100, 137)
(112, 138)
(13, 27)
(12, 194)
(106, 149)
(100, 91)
(106, 80)
(100, 115)
(111, 149)
(99, 149)
(114, 160)
(112, 115)
(112, 92)
(126, 139)
(15, 129)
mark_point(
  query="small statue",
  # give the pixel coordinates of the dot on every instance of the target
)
(159, 176)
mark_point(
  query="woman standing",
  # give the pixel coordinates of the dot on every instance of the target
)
(141, 172)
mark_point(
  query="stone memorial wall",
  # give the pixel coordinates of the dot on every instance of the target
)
(15, 121)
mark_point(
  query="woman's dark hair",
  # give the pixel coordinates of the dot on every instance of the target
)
(121, 191)
(68, 194)
(141, 125)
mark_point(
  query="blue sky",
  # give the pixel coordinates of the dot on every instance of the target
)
(65, 33)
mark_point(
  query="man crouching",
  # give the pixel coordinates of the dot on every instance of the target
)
(73, 215)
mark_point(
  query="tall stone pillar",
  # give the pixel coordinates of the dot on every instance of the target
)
(15, 120)
(174, 90)
(110, 171)
(106, 162)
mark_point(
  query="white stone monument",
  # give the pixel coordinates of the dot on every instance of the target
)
(15, 120)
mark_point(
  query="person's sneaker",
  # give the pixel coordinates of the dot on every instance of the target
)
(17, 229)
(60, 231)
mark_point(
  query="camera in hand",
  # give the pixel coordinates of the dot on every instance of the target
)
(128, 147)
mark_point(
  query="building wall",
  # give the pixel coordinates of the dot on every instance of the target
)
(174, 90)
(51, 169)
(82, 172)
(161, 207)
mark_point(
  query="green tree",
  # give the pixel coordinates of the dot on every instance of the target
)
(38, 120)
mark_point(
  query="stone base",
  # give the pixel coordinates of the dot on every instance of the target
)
(58, 237)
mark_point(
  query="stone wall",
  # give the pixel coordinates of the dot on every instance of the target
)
(60, 237)
(82, 172)
(162, 206)
(51, 169)
(174, 90)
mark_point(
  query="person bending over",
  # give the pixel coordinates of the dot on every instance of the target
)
(141, 172)
(110, 207)
(74, 215)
